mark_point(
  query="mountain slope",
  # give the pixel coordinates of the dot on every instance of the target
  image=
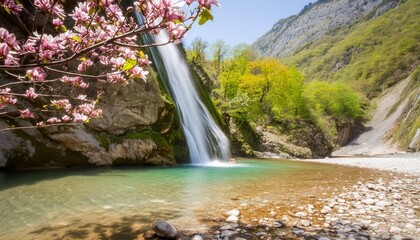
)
(315, 21)
(371, 56)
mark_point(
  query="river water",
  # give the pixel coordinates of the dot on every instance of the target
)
(121, 203)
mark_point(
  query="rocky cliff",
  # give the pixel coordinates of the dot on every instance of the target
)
(136, 128)
(314, 21)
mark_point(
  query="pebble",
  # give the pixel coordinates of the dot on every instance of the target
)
(232, 219)
(306, 223)
(197, 237)
(227, 233)
(164, 229)
(325, 210)
(233, 212)
(301, 214)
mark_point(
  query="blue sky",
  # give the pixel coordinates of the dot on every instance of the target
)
(244, 21)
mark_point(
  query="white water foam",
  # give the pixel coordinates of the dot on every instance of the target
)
(206, 141)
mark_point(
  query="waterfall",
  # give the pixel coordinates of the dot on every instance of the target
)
(206, 141)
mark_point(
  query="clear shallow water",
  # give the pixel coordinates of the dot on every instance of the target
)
(38, 203)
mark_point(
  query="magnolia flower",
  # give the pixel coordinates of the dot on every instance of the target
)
(62, 104)
(207, 3)
(81, 13)
(53, 120)
(84, 65)
(5, 98)
(79, 118)
(36, 74)
(47, 6)
(81, 97)
(58, 22)
(65, 118)
(26, 114)
(138, 72)
(117, 62)
(30, 93)
(75, 81)
(11, 4)
(176, 31)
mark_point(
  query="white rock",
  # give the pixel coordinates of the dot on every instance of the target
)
(197, 237)
(383, 203)
(325, 210)
(232, 219)
(395, 230)
(301, 214)
(368, 201)
(233, 212)
(410, 227)
(306, 223)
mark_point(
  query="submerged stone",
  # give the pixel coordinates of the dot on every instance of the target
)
(164, 229)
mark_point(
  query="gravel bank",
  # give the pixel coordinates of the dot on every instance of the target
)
(407, 163)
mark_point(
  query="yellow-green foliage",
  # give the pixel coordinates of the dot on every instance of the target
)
(371, 55)
(274, 88)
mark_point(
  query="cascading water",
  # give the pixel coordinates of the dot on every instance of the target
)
(206, 141)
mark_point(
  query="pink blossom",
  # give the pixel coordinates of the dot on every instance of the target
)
(47, 6)
(81, 13)
(75, 81)
(30, 93)
(8, 47)
(176, 31)
(4, 49)
(36, 74)
(5, 98)
(58, 22)
(66, 118)
(62, 104)
(11, 4)
(138, 72)
(53, 120)
(81, 97)
(116, 78)
(84, 65)
(40, 124)
(26, 114)
(79, 118)
(117, 62)
(207, 3)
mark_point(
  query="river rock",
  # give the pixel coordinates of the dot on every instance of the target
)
(384, 235)
(368, 201)
(301, 214)
(228, 233)
(197, 237)
(306, 223)
(232, 219)
(383, 203)
(279, 224)
(233, 212)
(164, 229)
(325, 210)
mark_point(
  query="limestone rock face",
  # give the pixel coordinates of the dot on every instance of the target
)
(315, 21)
(131, 109)
(126, 107)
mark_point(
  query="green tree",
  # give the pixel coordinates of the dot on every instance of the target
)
(219, 51)
(196, 53)
(275, 88)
